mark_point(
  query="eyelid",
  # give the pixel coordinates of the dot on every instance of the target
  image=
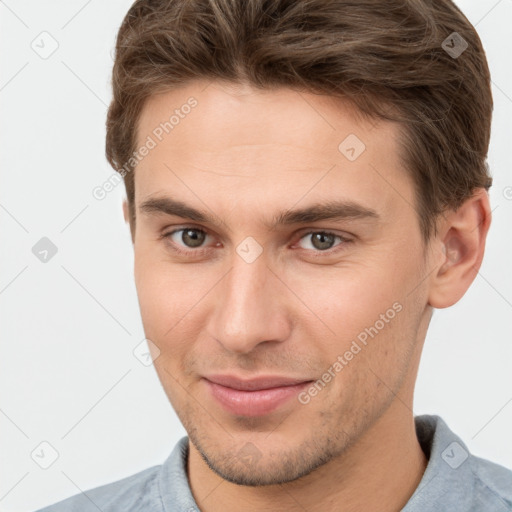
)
(307, 231)
(182, 249)
(343, 241)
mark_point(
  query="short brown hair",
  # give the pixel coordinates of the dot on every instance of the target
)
(386, 57)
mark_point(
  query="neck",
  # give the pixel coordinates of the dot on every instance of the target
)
(378, 472)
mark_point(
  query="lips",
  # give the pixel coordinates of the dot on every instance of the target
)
(255, 384)
(253, 397)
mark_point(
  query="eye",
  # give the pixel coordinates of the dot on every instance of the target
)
(190, 240)
(188, 237)
(323, 241)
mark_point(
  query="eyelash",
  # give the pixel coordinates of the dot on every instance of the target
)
(200, 251)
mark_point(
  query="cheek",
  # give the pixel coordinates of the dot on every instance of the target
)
(371, 325)
(158, 292)
(346, 301)
(161, 307)
(170, 298)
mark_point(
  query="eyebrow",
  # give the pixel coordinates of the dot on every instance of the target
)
(330, 210)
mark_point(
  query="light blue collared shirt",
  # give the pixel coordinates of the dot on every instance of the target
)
(454, 481)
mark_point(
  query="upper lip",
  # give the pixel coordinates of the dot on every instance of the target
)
(256, 383)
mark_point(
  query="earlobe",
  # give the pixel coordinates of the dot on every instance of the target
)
(462, 245)
(125, 210)
(126, 215)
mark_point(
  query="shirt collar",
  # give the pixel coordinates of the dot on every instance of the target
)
(448, 478)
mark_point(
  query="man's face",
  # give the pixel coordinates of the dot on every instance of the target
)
(337, 304)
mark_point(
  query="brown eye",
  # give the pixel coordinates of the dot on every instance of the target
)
(186, 238)
(193, 237)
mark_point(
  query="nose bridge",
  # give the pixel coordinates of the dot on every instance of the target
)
(246, 310)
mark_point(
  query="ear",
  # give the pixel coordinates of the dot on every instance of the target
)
(125, 211)
(126, 215)
(460, 244)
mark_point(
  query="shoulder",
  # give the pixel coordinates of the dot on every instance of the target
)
(146, 490)
(455, 478)
(135, 492)
(493, 484)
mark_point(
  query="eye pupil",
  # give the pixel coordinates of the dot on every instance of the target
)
(319, 241)
(192, 237)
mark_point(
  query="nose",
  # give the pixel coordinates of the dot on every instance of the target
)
(250, 307)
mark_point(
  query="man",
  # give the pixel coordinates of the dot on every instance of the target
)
(306, 182)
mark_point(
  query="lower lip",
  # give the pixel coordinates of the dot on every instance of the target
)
(254, 403)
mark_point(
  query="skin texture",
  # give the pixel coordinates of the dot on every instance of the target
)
(242, 155)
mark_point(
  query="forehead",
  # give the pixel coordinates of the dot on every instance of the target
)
(251, 147)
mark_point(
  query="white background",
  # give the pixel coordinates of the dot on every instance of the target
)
(69, 326)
